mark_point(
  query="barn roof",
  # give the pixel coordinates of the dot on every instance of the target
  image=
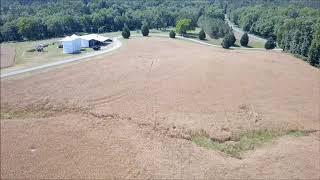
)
(86, 37)
(75, 36)
(70, 38)
(95, 37)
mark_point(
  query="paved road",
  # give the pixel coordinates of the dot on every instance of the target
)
(115, 45)
(251, 36)
(235, 28)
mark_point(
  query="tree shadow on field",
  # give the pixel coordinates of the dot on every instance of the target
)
(191, 35)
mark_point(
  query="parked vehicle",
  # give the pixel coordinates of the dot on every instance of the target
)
(96, 48)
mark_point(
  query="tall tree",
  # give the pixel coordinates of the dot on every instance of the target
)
(314, 51)
(183, 26)
(202, 35)
(29, 28)
(9, 32)
(145, 30)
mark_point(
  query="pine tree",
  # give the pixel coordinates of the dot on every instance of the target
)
(244, 39)
(232, 38)
(126, 32)
(202, 35)
(145, 30)
(227, 42)
(172, 34)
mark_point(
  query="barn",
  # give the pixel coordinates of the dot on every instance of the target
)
(71, 44)
(77, 40)
(91, 40)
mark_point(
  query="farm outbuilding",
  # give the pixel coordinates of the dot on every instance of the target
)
(77, 40)
(91, 40)
(71, 44)
(84, 43)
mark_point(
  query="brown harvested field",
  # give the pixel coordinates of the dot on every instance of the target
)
(131, 115)
(7, 57)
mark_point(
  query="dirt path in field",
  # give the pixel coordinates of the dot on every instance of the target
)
(123, 116)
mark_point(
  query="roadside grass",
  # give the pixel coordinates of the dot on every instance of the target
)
(297, 133)
(193, 34)
(24, 114)
(253, 43)
(244, 142)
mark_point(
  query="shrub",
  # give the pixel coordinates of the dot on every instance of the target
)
(244, 39)
(232, 38)
(202, 35)
(125, 32)
(145, 30)
(270, 44)
(228, 41)
(172, 34)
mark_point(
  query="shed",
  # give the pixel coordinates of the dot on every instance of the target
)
(84, 43)
(71, 45)
(77, 40)
(92, 40)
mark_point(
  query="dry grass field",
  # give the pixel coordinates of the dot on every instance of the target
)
(162, 108)
(7, 57)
